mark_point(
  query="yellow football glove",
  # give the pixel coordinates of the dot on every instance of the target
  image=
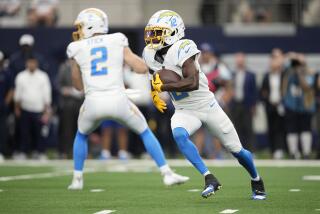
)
(158, 102)
(157, 83)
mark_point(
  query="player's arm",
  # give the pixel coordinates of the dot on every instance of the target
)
(134, 61)
(190, 80)
(76, 75)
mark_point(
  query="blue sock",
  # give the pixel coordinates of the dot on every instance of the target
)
(80, 151)
(245, 159)
(153, 147)
(188, 149)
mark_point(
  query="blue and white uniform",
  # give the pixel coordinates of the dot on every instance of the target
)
(195, 107)
(101, 60)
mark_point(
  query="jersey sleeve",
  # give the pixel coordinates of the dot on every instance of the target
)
(186, 49)
(123, 40)
(72, 50)
(148, 57)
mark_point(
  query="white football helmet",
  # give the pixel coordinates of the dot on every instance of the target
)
(89, 22)
(164, 28)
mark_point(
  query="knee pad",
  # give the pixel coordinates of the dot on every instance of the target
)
(180, 135)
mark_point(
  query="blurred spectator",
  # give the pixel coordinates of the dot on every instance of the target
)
(317, 96)
(70, 101)
(6, 94)
(43, 13)
(9, 7)
(299, 102)
(32, 105)
(219, 76)
(271, 96)
(244, 103)
(18, 59)
(108, 127)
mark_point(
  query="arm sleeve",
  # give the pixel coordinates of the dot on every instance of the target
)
(123, 40)
(186, 49)
(47, 90)
(72, 50)
(17, 91)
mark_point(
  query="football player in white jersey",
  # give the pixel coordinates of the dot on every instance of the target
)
(97, 68)
(194, 103)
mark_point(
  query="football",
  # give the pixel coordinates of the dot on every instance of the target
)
(168, 76)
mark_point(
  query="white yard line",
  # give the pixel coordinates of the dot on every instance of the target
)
(194, 190)
(96, 190)
(294, 190)
(105, 212)
(229, 211)
(311, 178)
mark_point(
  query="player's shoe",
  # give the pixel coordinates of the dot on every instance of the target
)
(77, 183)
(172, 178)
(211, 186)
(258, 191)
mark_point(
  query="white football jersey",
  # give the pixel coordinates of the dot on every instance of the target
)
(101, 62)
(176, 55)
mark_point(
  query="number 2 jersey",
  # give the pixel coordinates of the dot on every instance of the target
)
(176, 55)
(101, 62)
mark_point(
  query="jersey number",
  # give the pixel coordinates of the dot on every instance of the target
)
(101, 56)
(178, 95)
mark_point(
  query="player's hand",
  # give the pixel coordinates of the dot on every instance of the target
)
(157, 83)
(158, 102)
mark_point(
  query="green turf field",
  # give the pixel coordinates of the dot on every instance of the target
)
(144, 193)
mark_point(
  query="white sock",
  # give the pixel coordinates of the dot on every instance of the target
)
(292, 141)
(256, 178)
(77, 174)
(206, 173)
(165, 170)
(106, 153)
(306, 143)
(123, 153)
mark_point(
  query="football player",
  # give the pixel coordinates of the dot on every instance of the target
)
(97, 64)
(194, 103)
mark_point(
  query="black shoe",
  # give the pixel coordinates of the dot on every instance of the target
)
(211, 186)
(258, 191)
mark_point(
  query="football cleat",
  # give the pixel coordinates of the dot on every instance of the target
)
(211, 186)
(258, 192)
(77, 184)
(174, 179)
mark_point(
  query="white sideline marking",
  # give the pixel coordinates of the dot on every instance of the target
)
(317, 209)
(41, 175)
(311, 178)
(294, 190)
(105, 212)
(229, 211)
(33, 176)
(1, 190)
(96, 190)
(194, 190)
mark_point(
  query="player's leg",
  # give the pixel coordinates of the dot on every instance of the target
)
(122, 136)
(184, 124)
(106, 129)
(132, 118)
(86, 123)
(221, 127)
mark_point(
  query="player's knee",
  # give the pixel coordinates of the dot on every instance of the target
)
(242, 153)
(180, 135)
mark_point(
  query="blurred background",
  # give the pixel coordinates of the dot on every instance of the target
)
(261, 57)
